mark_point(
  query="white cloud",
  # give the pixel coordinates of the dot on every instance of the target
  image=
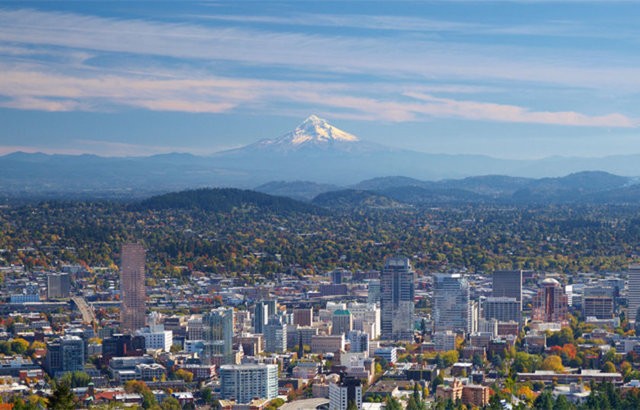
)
(408, 57)
(70, 83)
(28, 88)
(474, 110)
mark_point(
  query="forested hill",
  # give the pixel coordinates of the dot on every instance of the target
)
(225, 200)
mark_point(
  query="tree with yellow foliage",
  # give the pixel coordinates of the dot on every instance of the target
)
(554, 363)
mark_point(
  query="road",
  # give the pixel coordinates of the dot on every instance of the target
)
(88, 316)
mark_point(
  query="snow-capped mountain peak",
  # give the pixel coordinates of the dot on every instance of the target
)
(317, 130)
(312, 132)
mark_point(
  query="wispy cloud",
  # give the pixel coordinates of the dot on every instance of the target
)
(474, 110)
(31, 89)
(412, 57)
(428, 68)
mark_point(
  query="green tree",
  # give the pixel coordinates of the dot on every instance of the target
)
(544, 401)
(19, 345)
(185, 375)
(450, 357)
(76, 379)
(392, 404)
(552, 363)
(477, 360)
(437, 381)
(62, 398)
(609, 367)
(171, 403)
(207, 395)
(562, 403)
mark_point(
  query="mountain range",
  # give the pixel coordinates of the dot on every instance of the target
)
(398, 193)
(314, 151)
(393, 192)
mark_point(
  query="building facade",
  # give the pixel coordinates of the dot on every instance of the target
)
(261, 313)
(344, 393)
(359, 341)
(451, 303)
(397, 289)
(508, 283)
(217, 335)
(132, 287)
(65, 355)
(502, 308)
(156, 337)
(58, 286)
(550, 304)
(633, 292)
(275, 335)
(303, 317)
(341, 322)
(245, 382)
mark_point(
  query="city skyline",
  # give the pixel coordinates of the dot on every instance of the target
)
(510, 79)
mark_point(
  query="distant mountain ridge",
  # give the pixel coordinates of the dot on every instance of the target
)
(225, 200)
(354, 199)
(588, 186)
(399, 192)
(302, 190)
(314, 151)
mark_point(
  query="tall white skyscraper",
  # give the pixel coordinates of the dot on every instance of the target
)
(132, 288)
(451, 304)
(633, 292)
(396, 299)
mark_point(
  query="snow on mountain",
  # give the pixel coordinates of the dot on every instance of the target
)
(312, 132)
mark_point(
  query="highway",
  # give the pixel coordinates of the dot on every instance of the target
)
(88, 316)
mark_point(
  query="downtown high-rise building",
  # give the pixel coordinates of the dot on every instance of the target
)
(373, 291)
(502, 309)
(341, 322)
(217, 335)
(133, 294)
(452, 308)
(550, 304)
(508, 284)
(58, 285)
(359, 341)
(397, 306)
(65, 354)
(275, 335)
(262, 312)
(633, 292)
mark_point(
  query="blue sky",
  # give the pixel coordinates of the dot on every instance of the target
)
(512, 79)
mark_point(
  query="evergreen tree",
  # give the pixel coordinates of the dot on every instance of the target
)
(544, 401)
(62, 398)
(392, 404)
